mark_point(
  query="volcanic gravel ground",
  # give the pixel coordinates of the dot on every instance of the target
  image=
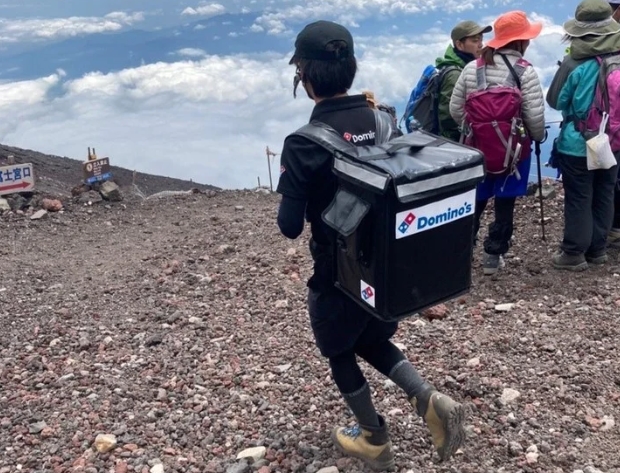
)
(179, 326)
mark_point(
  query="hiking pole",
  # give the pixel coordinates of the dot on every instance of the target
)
(540, 196)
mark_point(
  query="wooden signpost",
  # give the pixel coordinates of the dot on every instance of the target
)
(96, 169)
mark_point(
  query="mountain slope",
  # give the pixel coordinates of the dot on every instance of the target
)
(56, 175)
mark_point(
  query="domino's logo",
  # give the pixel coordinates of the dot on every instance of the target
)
(367, 292)
(406, 223)
(434, 215)
(347, 136)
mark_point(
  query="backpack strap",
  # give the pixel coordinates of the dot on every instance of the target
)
(601, 84)
(325, 136)
(481, 74)
(514, 78)
(516, 71)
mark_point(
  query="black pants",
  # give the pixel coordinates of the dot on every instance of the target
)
(497, 241)
(588, 205)
(346, 371)
(340, 325)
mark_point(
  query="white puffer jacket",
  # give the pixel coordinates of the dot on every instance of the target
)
(533, 106)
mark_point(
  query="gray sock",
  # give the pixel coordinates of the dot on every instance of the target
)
(408, 379)
(362, 406)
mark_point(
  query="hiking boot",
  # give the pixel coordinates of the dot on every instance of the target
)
(568, 262)
(370, 444)
(597, 259)
(444, 418)
(613, 238)
(491, 264)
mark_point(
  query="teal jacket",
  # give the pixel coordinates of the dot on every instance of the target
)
(573, 86)
(574, 100)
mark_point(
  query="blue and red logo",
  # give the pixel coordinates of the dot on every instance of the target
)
(404, 226)
(367, 293)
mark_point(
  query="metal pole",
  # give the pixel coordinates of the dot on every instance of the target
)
(269, 167)
(540, 196)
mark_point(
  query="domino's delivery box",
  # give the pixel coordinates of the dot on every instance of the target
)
(404, 214)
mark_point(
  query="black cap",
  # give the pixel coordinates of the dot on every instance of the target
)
(313, 39)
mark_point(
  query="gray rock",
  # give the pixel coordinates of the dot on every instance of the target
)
(591, 469)
(515, 449)
(38, 214)
(509, 395)
(110, 191)
(17, 202)
(37, 427)
(548, 192)
(153, 340)
(253, 454)
(240, 467)
(91, 196)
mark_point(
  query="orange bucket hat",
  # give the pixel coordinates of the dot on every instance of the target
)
(513, 26)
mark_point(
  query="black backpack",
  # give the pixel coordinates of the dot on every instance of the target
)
(404, 215)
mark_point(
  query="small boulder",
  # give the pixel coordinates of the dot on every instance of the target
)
(437, 312)
(80, 189)
(17, 202)
(39, 214)
(509, 395)
(4, 205)
(110, 191)
(105, 442)
(252, 454)
(51, 205)
(90, 197)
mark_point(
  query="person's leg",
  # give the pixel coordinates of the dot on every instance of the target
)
(388, 360)
(577, 183)
(613, 238)
(497, 242)
(480, 206)
(443, 416)
(337, 324)
(500, 231)
(368, 440)
(602, 213)
(616, 223)
(354, 388)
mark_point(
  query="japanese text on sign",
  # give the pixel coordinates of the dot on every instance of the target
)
(16, 178)
(97, 170)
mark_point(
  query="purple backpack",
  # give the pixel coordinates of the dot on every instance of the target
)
(493, 122)
(606, 99)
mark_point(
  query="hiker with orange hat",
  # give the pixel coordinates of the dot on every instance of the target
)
(499, 102)
(593, 59)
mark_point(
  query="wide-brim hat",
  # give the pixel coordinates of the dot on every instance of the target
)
(513, 26)
(592, 17)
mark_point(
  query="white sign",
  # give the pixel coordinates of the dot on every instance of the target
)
(435, 215)
(16, 178)
(367, 293)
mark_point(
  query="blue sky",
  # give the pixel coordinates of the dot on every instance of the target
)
(195, 89)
